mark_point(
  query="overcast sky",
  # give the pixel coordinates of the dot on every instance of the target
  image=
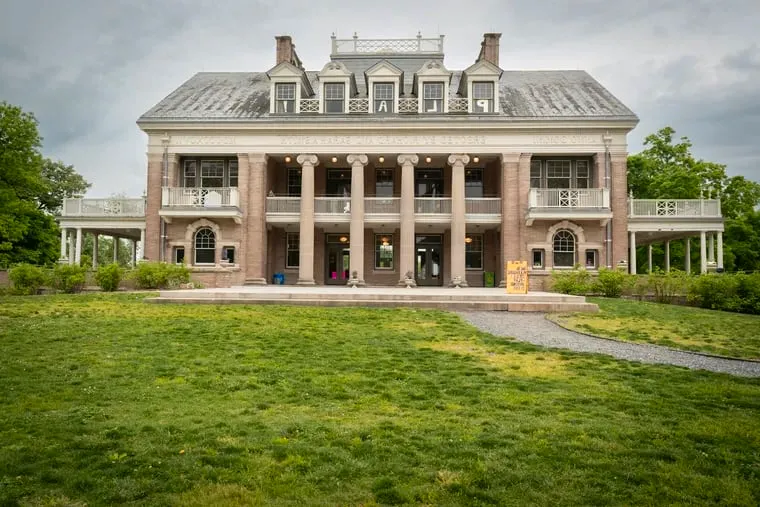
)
(89, 68)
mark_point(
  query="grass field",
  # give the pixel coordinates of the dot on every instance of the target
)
(683, 327)
(108, 400)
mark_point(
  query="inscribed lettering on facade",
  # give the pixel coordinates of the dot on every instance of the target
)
(517, 277)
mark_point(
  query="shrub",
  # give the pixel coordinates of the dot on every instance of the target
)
(85, 261)
(69, 278)
(109, 277)
(749, 292)
(27, 279)
(160, 275)
(577, 281)
(666, 286)
(612, 283)
(731, 293)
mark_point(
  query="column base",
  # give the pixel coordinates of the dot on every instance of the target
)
(458, 282)
(356, 283)
(305, 282)
(502, 284)
(409, 283)
(255, 281)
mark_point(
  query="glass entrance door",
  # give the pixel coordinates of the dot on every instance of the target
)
(337, 257)
(428, 261)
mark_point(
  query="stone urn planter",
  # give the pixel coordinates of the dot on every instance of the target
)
(353, 282)
(409, 281)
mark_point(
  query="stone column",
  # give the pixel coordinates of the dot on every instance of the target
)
(619, 206)
(71, 247)
(115, 249)
(63, 242)
(306, 236)
(720, 250)
(687, 256)
(134, 252)
(632, 260)
(711, 249)
(510, 211)
(356, 260)
(667, 256)
(703, 252)
(142, 244)
(458, 230)
(256, 218)
(95, 239)
(407, 244)
(78, 251)
(649, 258)
(152, 243)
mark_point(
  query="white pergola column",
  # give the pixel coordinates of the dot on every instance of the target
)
(406, 241)
(71, 247)
(711, 248)
(667, 256)
(63, 243)
(115, 249)
(649, 258)
(95, 240)
(458, 231)
(703, 252)
(134, 252)
(687, 257)
(306, 231)
(78, 251)
(356, 257)
(720, 250)
(632, 255)
(142, 244)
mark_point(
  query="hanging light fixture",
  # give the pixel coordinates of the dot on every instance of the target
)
(381, 159)
(468, 239)
(476, 159)
(288, 159)
(334, 159)
(343, 239)
(428, 159)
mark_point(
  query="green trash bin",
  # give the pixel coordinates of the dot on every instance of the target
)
(488, 279)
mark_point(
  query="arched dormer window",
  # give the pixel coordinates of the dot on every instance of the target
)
(564, 247)
(205, 246)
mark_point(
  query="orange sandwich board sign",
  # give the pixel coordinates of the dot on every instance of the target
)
(517, 277)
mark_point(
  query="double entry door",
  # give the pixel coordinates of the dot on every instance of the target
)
(428, 260)
(337, 259)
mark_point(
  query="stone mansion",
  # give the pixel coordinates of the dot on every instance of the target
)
(386, 165)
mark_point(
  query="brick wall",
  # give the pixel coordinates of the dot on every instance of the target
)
(619, 204)
(153, 206)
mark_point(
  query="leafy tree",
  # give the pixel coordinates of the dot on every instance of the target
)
(61, 181)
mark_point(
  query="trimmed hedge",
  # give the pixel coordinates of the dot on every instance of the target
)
(69, 278)
(160, 275)
(109, 277)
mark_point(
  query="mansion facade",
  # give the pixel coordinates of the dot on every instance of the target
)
(384, 166)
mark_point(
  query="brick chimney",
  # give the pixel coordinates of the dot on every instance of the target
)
(284, 49)
(489, 48)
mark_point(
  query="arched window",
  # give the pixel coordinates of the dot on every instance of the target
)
(564, 249)
(205, 246)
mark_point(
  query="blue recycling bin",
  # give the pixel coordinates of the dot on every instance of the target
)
(278, 279)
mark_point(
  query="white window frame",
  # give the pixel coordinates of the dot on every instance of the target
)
(595, 253)
(543, 173)
(230, 165)
(378, 246)
(195, 247)
(195, 175)
(288, 249)
(393, 99)
(574, 251)
(423, 96)
(493, 99)
(209, 160)
(324, 99)
(542, 255)
(272, 96)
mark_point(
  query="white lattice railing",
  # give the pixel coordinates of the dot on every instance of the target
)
(408, 105)
(309, 105)
(358, 105)
(332, 205)
(458, 105)
(569, 198)
(432, 205)
(382, 205)
(483, 206)
(199, 197)
(674, 208)
(287, 205)
(416, 45)
(103, 207)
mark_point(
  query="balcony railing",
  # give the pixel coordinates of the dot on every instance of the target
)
(387, 46)
(483, 206)
(432, 205)
(284, 205)
(382, 205)
(358, 105)
(192, 197)
(569, 198)
(103, 207)
(309, 105)
(332, 205)
(674, 208)
(458, 105)
(407, 106)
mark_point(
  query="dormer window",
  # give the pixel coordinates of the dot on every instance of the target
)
(432, 94)
(334, 97)
(482, 97)
(285, 97)
(383, 98)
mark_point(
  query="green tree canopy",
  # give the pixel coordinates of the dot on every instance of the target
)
(60, 181)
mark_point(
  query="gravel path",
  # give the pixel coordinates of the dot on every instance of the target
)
(535, 328)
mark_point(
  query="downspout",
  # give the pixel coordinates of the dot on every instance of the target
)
(608, 230)
(164, 184)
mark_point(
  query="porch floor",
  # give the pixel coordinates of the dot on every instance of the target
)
(421, 297)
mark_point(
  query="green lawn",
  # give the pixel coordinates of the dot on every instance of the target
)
(683, 327)
(106, 400)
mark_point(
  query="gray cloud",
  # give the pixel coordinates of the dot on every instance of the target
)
(88, 68)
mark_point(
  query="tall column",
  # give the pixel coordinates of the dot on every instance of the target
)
(720, 250)
(78, 252)
(256, 218)
(711, 248)
(71, 247)
(134, 252)
(510, 211)
(619, 205)
(703, 252)
(356, 258)
(95, 239)
(687, 256)
(667, 256)
(115, 249)
(649, 258)
(406, 250)
(63, 243)
(458, 232)
(142, 244)
(152, 244)
(306, 236)
(632, 260)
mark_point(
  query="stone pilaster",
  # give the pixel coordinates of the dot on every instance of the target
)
(510, 211)
(619, 207)
(357, 163)
(152, 207)
(253, 202)
(406, 248)
(458, 231)
(306, 236)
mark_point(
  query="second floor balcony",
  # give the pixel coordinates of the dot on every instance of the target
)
(562, 203)
(219, 202)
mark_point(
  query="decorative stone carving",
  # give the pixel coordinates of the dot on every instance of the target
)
(354, 159)
(305, 159)
(459, 158)
(408, 159)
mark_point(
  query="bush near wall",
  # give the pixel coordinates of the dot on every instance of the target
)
(732, 293)
(160, 275)
(27, 279)
(109, 277)
(69, 278)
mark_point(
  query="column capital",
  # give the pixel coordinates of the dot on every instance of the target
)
(307, 159)
(356, 158)
(459, 158)
(512, 158)
(408, 158)
(254, 157)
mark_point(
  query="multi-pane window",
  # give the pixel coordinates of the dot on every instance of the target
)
(294, 182)
(383, 251)
(582, 174)
(384, 183)
(482, 97)
(190, 173)
(212, 173)
(334, 97)
(232, 170)
(432, 96)
(285, 97)
(564, 249)
(560, 174)
(292, 250)
(383, 97)
(473, 251)
(473, 183)
(535, 174)
(205, 246)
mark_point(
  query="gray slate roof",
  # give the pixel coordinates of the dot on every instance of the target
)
(540, 95)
